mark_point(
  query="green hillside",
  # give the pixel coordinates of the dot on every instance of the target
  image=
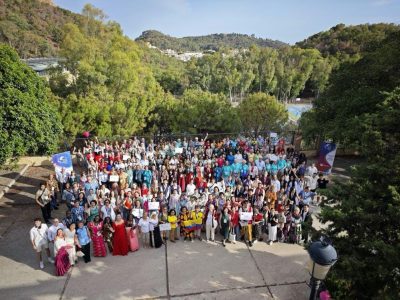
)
(207, 42)
(350, 40)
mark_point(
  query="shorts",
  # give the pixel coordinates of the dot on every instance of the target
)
(42, 246)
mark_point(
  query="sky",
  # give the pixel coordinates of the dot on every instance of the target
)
(289, 21)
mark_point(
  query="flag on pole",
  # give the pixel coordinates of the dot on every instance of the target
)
(62, 161)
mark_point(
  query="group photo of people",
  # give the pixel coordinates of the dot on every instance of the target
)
(136, 194)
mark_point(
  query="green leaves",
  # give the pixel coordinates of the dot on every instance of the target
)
(29, 122)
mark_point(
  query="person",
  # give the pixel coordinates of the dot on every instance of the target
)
(185, 224)
(96, 230)
(306, 222)
(235, 228)
(163, 219)
(51, 233)
(197, 217)
(107, 211)
(272, 226)
(42, 198)
(172, 219)
(38, 237)
(72, 240)
(225, 220)
(62, 253)
(131, 233)
(78, 212)
(155, 235)
(68, 220)
(84, 240)
(93, 211)
(108, 233)
(120, 241)
(211, 223)
(52, 186)
(247, 225)
(144, 230)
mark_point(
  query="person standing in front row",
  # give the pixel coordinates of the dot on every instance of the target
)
(42, 198)
(211, 223)
(84, 240)
(38, 236)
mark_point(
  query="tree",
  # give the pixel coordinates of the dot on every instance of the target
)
(260, 113)
(29, 122)
(201, 112)
(354, 91)
(364, 214)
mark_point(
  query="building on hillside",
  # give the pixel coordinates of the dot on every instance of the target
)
(43, 65)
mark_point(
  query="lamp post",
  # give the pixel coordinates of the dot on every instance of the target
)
(322, 257)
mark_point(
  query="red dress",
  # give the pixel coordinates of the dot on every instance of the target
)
(120, 241)
(99, 248)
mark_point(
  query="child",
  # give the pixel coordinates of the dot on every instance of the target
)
(172, 219)
(144, 230)
(197, 217)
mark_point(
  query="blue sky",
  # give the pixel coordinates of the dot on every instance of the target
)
(286, 20)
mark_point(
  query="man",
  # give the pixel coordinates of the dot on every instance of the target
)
(62, 178)
(42, 198)
(38, 236)
(51, 233)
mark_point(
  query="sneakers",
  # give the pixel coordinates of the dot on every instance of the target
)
(255, 241)
(41, 265)
(250, 244)
(50, 260)
(200, 239)
(191, 240)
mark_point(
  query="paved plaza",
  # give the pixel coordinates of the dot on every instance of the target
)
(197, 270)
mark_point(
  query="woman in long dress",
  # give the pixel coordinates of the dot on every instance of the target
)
(120, 241)
(71, 240)
(62, 261)
(108, 233)
(155, 235)
(131, 233)
(96, 228)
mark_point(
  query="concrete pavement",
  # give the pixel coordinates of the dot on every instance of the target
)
(197, 270)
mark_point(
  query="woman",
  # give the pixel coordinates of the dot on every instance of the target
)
(120, 241)
(272, 226)
(144, 230)
(155, 235)
(93, 211)
(132, 234)
(84, 241)
(225, 220)
(211, 223)
(72, 240)
(186, 224)
(163, 219)
(107, 211)
(96, 229)
(108, 233)
(61, 254)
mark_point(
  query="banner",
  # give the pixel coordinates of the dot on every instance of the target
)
(327, 154)
(62, 161)
(154, 205)
(246, 216)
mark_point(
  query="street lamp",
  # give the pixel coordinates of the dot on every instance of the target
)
(322, 257)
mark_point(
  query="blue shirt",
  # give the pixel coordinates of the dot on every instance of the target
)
(83, 236)
(226, 171)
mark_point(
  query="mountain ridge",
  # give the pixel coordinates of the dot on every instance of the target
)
(215, 41)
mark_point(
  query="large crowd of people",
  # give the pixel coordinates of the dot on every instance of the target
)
(133, 194)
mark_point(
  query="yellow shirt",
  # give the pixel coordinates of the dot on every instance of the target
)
(172, 220)
(197, 217)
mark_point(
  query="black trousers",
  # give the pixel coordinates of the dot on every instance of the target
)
(86, 250)
(46, 212)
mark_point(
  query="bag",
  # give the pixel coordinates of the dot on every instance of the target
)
(80, 253)
(232, 236)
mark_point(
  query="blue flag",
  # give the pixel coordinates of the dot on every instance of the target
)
(62, 161)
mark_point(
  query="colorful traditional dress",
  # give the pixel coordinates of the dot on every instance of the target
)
(62, 261)
(99, 248)
(186, 225)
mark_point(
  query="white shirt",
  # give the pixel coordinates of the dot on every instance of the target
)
(190, 189)
(277, 185)
(51, 233)
(144, 225)
(39, 236)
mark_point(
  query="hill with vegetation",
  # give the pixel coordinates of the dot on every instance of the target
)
(213, 42)
(33, 28)
(348, 40)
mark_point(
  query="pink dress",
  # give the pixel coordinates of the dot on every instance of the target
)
(99, 248)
